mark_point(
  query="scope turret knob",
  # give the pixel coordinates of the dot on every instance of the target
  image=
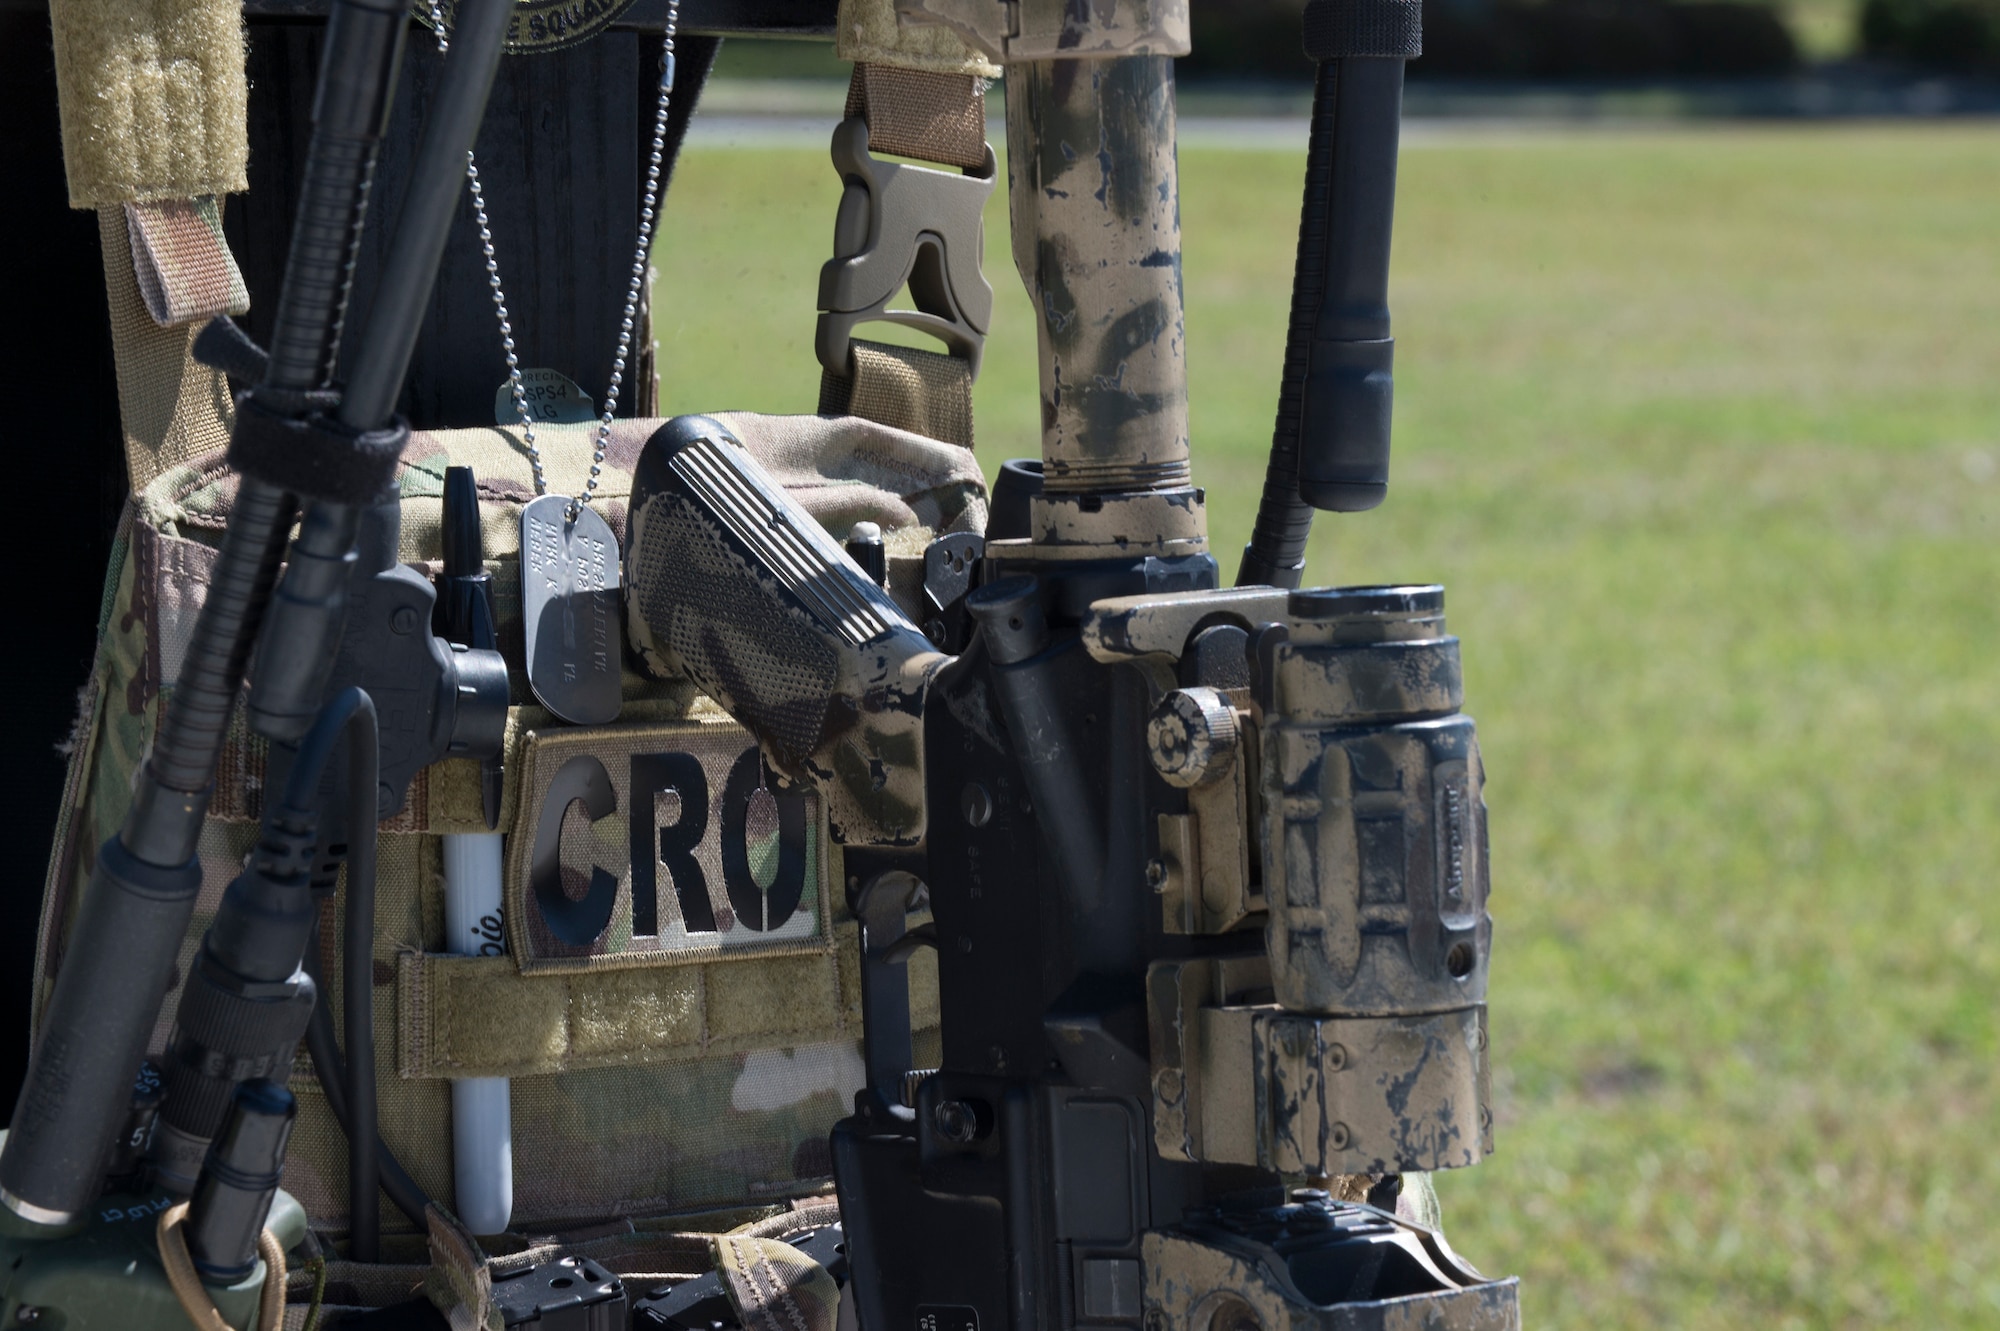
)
(1192, 737)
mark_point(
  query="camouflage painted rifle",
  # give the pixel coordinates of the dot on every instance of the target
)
(1207, 867)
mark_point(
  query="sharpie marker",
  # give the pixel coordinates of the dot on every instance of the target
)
(482, 1131)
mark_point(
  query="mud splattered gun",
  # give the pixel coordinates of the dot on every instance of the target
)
(1207, 875)
(1205, 868)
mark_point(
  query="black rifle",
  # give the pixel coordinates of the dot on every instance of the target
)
(1206, 867)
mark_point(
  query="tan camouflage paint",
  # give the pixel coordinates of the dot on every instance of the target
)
(1095, 208)
(1324, 959)
(1191, 1286)
(1241, 1082)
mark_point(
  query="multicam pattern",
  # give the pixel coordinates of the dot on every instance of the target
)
(745, 1127)
(185, 271)
(775, 1287)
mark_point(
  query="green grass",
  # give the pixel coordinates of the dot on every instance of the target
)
(1701, 430)
(1824, 29)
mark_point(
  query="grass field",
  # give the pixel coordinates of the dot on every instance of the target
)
(1701, 430)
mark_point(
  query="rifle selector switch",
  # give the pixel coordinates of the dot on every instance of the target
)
(1192, 737)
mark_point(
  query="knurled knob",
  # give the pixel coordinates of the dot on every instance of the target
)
(1192, 737)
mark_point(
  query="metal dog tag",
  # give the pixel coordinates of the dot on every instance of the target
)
(571, 609)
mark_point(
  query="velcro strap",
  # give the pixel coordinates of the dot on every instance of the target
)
(915, 113)
(481, 1017)
(904, 388)
(1337, 29)
(315, 457)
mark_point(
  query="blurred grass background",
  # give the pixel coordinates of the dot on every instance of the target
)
(1701, 430)
(1825, 29)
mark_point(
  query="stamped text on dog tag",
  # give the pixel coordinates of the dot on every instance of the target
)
(571, 609)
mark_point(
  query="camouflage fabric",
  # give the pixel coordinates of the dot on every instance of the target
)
(185, 271)
(171, 408)
(842, 470)
(675, 1137)
(870, 31)
(775, 1287)
(459, 1281)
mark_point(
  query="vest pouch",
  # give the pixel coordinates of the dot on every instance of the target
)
(678, 1007)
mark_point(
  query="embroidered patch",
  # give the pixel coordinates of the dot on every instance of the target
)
(540, 25)
(656, 842)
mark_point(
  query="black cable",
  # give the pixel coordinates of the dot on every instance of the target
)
(131, 921)
(357, 987)
(344, 717)
(316, 749)
(244, 1007)
(331, 1069)
(1276, 553)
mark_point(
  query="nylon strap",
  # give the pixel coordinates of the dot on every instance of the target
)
(185, 270)
(1385, 29)
(924, 392)
(185, 1281)
(775, 1287)
(172, 409)
(915, 113)
(316, 457)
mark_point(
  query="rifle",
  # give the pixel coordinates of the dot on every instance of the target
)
(1206, 867)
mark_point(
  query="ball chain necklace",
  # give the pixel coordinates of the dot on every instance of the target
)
(570, 602)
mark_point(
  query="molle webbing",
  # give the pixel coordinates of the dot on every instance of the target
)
(480, 1017)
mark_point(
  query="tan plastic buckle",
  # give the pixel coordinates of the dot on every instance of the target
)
(900, 223)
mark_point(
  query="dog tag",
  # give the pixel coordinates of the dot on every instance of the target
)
(571, 610)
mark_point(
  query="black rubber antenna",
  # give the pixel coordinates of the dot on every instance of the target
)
(135, 912)
(1330, 448)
